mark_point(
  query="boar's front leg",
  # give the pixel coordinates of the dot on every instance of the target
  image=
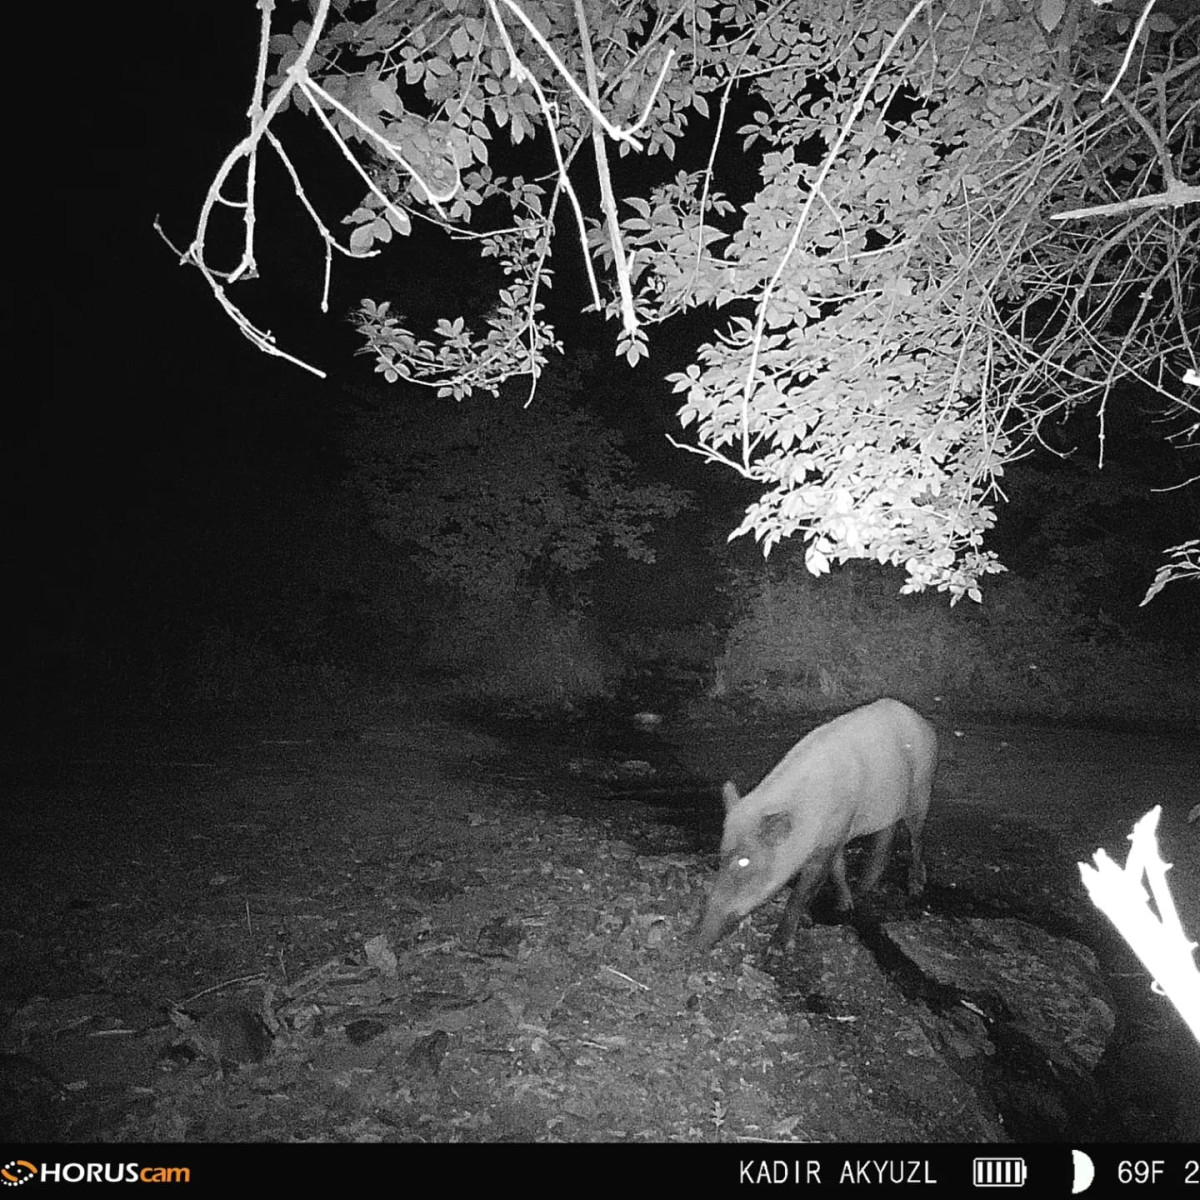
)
(808, 879)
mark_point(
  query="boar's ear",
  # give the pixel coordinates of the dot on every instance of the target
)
(774, 828)
(729, 794)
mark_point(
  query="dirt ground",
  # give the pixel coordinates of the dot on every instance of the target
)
(410, 929)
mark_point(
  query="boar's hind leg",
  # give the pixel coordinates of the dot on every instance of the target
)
(916, 866)
(837, 869)
(880, 848)
(918, 808)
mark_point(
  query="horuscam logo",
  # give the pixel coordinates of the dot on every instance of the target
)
(17, 1172)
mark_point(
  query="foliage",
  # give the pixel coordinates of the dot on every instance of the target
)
(968, 214)
(798, 643)
(492, 498)
(1182, 562)
(520, 649)
(1078, 536)
(846, 640)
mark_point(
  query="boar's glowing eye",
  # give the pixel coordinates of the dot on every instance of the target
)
(742, 862)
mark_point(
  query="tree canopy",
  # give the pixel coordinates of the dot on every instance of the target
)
(921, 227)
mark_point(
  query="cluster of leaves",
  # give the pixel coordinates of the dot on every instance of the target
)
(423, 87)
(926, 314)
(905, 313)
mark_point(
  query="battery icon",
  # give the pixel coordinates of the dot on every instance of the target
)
(999, 1172)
